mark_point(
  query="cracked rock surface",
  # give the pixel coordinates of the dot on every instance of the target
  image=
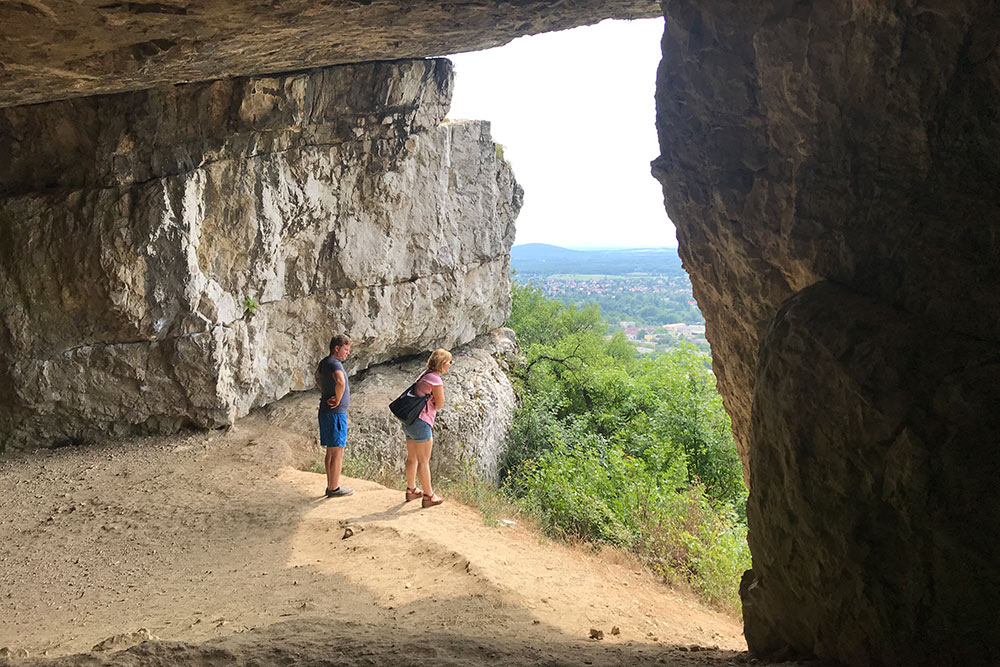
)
(832, 170)
(181, 255)
(56, 49)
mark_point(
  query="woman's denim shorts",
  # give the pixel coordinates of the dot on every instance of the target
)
(418, 431)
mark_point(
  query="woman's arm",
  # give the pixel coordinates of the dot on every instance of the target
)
(437, 396)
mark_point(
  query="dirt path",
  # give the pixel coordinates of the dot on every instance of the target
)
(214, 538)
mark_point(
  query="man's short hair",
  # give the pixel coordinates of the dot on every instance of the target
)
(340, 340)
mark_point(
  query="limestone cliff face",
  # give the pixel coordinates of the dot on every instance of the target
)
(832, 169)
(183, 254)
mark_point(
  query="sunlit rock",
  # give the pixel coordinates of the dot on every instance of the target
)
(184, 254)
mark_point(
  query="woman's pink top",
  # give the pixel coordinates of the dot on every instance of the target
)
(425, 385)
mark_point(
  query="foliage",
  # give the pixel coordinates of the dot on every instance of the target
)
(539, 319)
(250, 304)
(500, 156)
(469, 488)
(643, 308)
(618, 449)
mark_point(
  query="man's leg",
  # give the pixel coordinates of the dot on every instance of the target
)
(333, 461)
(335, 458)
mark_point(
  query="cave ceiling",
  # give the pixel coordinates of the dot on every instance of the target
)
(58, 49)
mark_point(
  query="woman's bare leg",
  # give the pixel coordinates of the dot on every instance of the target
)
(411, 464)
(423, 452)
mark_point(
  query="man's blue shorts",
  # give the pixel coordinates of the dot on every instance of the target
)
(332, 429)
(418, 431)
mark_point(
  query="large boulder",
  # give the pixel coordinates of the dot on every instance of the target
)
(182, 255)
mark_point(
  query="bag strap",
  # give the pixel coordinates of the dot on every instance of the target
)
(417, 381)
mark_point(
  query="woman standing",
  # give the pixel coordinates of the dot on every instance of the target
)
(419, 439)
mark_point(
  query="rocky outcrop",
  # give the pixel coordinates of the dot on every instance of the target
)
(54, 49)
(470, 432)
(184, 254)
(873, 445)
(855, 144)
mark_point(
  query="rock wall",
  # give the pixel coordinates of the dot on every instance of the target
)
(854, 147)
(183, 254)
(873, 533)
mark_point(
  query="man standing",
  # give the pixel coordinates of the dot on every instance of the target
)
(332, 381)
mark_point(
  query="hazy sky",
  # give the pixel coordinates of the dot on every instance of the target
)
(574, 111)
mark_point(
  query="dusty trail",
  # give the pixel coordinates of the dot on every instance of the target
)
(214, 537)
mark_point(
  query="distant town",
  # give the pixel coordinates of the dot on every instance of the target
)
(645, 294)
(584, 284)
(648, 338)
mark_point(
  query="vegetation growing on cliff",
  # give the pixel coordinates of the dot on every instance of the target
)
(617, 449)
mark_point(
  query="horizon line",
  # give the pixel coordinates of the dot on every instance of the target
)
(598, 247)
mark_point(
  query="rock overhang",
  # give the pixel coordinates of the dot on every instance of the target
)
(58, 49)
(185, 252)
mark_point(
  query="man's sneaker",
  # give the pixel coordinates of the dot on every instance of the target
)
(338, 492)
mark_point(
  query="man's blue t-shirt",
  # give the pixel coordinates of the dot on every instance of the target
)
(329, 387)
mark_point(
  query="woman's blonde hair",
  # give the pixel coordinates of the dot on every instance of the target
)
(438, 359)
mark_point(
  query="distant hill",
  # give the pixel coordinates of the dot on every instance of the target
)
(541, 259)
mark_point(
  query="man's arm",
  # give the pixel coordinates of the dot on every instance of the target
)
(316, 378)
(338, 389)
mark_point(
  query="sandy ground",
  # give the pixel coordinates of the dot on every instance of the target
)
(223, 552)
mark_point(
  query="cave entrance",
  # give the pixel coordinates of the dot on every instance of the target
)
(619, 405)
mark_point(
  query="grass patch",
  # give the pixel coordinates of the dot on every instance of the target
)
(491, 502)
(360, 465)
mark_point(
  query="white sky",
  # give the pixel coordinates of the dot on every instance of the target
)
(575, 113)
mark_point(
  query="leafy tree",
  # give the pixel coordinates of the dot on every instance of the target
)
(537, 319)
(613, 447)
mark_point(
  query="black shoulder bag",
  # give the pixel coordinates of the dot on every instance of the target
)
(408, 406)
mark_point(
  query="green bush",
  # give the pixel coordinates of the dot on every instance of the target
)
(617, 449)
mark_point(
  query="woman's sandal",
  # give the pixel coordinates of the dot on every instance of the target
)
(431, 501)
(413, 494)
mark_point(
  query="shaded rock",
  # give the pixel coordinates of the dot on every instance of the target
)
(181, 256)
(857, 145)
(59, 49)
(787, 157)
(874, 452)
